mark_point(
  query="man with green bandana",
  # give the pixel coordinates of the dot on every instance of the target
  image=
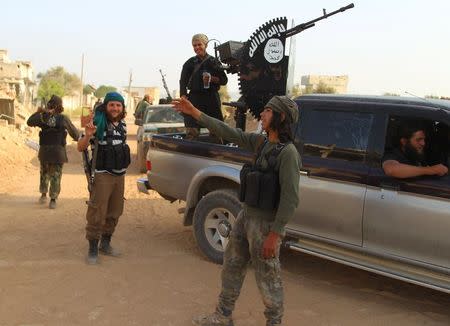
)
(257, 233)
(107, 135)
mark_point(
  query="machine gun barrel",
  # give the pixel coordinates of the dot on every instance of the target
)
(169, 97)
(300, 28)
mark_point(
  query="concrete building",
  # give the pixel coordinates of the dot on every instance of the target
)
(17, 80)
(137, 94)
(339, 83)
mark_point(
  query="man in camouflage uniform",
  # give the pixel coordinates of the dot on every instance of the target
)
(257, 234)
(52, 150)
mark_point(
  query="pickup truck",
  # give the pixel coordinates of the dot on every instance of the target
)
(157, 119)
(350, 211)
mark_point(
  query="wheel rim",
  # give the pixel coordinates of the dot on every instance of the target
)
(217, 227)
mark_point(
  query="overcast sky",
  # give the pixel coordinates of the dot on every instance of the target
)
(384, 46)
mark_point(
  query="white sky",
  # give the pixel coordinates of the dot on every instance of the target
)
(384, 46)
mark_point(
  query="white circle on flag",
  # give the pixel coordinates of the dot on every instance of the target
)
(274, 50)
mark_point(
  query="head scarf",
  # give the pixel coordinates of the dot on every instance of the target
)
(284, 104)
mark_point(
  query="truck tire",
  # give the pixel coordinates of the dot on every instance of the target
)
(213, 220)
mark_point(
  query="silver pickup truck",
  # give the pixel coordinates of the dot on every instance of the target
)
(350, 211)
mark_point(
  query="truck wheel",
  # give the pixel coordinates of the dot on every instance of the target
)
(213, 220)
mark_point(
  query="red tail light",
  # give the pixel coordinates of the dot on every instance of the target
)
(148, 164)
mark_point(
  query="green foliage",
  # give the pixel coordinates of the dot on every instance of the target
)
(88, 89)
(103, 89)
(70, 83)
(49, 87)
(296, 91)
(431, 96)
(323, 88)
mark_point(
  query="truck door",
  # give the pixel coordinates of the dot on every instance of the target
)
(332, 181)
(408, 218)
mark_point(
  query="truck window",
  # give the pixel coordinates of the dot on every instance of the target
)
(337, 134)
(437, 141)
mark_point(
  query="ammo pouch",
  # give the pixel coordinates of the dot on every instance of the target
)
(113, 157)
(260, 188)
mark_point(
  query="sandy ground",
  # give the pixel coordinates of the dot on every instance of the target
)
(162, 278)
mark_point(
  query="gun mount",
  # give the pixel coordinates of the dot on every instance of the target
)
(262, 63)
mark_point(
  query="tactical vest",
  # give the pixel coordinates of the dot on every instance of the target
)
(112, 156)
(53, 132)
(261, 188)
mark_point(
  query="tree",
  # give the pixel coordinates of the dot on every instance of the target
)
(431, 96)
(296, 91)
(323, 88)
(49, 87)
(88, 89)
(103, 89)
(70, 83)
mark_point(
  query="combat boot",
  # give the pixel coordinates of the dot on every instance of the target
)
(105, 246)
(43, 198)
(214, 319)
(52, 204)
(92, 256)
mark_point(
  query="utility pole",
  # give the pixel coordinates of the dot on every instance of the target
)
(129, 89)
(82, 73)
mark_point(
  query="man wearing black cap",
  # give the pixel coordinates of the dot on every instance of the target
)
(269, 191)
(52, 151)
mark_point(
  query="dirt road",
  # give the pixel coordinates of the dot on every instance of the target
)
(162, 279)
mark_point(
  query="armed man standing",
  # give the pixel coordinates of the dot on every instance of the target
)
(203, 77)
(52, 146)
(107, 136)
(269, 190)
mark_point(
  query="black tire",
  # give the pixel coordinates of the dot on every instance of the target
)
(217, 205)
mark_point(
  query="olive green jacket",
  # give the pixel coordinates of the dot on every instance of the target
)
(288, 165)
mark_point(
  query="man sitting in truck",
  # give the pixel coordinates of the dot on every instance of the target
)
(408, 160)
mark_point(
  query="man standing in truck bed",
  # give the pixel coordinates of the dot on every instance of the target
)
(203, 77)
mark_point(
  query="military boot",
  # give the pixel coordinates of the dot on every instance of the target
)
(43, 198)
(92, 256)
(214, 319)
(52, 204)
(105, 246)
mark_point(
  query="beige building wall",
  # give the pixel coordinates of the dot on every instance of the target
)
(339, 83)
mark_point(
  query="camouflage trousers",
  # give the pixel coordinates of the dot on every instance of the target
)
(245, 245)
(51, 173)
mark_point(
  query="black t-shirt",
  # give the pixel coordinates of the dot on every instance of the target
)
(399, 156)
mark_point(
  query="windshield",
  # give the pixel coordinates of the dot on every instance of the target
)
(154, 115)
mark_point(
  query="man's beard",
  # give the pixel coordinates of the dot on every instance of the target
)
(412, 154)
(114, 119)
